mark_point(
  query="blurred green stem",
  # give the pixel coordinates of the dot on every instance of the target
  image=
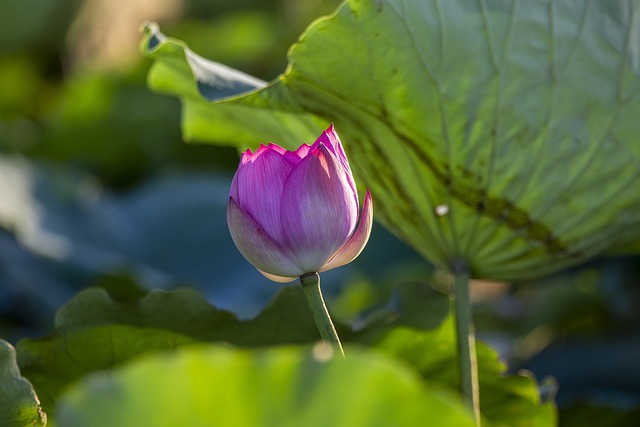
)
(465, 333)
(311, 285)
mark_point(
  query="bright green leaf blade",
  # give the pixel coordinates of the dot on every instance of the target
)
(198, 82)
(505, 400)
(502, 133)
(19, 405)
(279, 387)
(95, 332)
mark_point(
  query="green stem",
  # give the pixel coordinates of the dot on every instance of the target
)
(466, 340)
(311, 285)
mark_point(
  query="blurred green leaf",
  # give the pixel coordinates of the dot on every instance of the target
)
(507, 400)
(485, 130)
(106, 123)
(35, 23)
(20, 97)
(96, 332)
(284, 387)
(112, 126)
(19, 405)
(421, 306)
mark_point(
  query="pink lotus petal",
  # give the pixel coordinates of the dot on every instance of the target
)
(257, 188)
(358, 240)
(318, 210)
(277, 148)
(261, 149)
(279, 279)
(331, 140)
(257, 247)
(303, 151)
(246, 156)
(289, 155)
(292, 157)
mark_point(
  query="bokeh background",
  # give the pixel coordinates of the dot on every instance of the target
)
(98, 189)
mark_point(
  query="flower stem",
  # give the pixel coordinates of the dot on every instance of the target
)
(311, 286)
(466, 340)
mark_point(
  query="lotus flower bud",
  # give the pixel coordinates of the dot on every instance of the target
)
(296, 212)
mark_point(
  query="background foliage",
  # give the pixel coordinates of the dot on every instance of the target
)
(98, 189)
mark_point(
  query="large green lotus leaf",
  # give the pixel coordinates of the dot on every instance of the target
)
(19, 405)
(197, 81)
(214, 386)
(506, 400)
(94, 332)
(98, 330)
(500, 133)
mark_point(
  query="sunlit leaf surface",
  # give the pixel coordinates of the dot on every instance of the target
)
(505, 400)
(278, 387)
(500, 133)
(19, 405)
(101, 332)
(97, 332)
